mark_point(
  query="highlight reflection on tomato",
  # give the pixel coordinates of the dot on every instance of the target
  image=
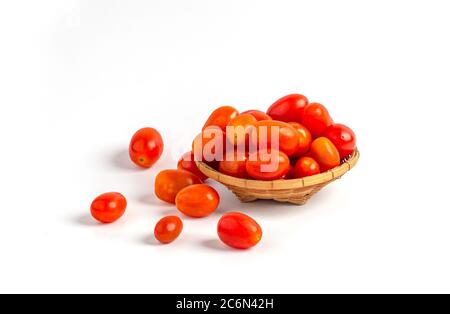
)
(239, 231)
(108, 207)
(169, 182)
(198, 200)
(168, 229)
(146, 147)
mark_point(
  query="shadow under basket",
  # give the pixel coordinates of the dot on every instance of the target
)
(295, 191)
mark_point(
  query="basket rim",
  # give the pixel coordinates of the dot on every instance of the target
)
(310, 181)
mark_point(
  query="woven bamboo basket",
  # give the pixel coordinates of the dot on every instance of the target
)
(296, 191)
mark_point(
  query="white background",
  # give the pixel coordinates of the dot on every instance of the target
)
(77, 78)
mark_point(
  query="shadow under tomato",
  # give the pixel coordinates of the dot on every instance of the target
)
(217, 245)
(121, 160)
(150, 240)
(86, 220)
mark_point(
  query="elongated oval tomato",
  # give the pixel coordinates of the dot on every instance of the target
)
(168, 229)
(221, 117)
(259, 115)
(197, 200)
(304, 140)
(187, 162)
(234, 165)
(169, 182)
(316, 118)
(343, 138)
(267, 165)
(288, 108)
(288, 136)
(239, 231)
(238, 129)
(305, 167)
(325, 153)
(146, 147)
(108, 207)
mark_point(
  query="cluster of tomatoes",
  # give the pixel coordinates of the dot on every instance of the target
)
(308, 142)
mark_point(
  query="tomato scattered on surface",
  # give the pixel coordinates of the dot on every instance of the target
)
(169, 182)
(197, 200)
(168, 229)
(108, 207)
(146, 147)
(239, 231)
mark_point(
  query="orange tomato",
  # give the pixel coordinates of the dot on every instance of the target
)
(221, 117)
(169, 182)
(239, 231)
(325, 153)
(209, 145)
(305, 167)
(108, 207)
(317, 119)
(187, 162)
(146, 147)
(288, 136)
(234, 165)
(168, 229)
(259, 115)
(240, 128)
(267, 165)
(197, 200)
(304, 140)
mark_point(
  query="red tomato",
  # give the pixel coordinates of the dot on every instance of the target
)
(288, 108)
(343, 138)
(221, 117)
(239, 231)
(291, 173)
(169, 182)
(240, 128)
(168, 229)
(259, 115)
(288, 136)
(317, 119)
(209, 145)
(234, 165)
(305, 167)
(146, 147)
(197, 200)
(109, 207)
(325, 153)
(267, 165)
(304, 140)
(187, 162)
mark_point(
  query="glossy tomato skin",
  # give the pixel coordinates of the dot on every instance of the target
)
(278, 164)
(168, 229)
(221, 117)
(238, 129)
(234, 165)
(210, 145)
(304, 140)
(187, 162)
(169, 182)
(325, 153)
(343, 138)
(259, 115)
(289, 138)
(305, 167)
(239, 231)
(146, 147)
(197, 200)
(316, 119)
(108, 207)
(288, 108)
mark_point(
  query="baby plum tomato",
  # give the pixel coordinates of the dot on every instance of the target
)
(289, 138)
(241, 123)
(325, 153)
(239, 231)
(343, 138)
(259, 115)
(146, 147)
(108, 207)
(288, 108)
(305, 167)
(169, 182)
(187, 162)
(221, 117)
(168, 229)
(316, 119)
(305, 139)
(267, 165)
(197, 200)
(234, 165)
